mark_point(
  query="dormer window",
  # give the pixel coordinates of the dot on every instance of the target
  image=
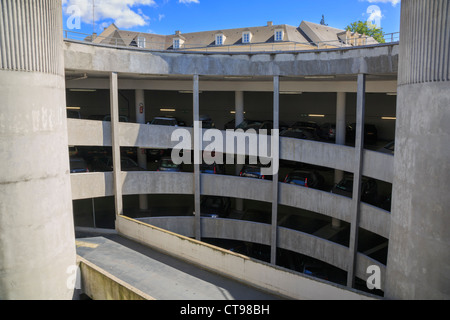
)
(141, 42)
(246, 37)
(220, 39)
(176, 43)
(279, 33)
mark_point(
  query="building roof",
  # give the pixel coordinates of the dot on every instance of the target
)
(309, 34)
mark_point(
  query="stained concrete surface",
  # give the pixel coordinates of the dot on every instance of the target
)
(162, 277)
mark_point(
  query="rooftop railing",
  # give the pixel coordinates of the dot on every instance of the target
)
(141, 42)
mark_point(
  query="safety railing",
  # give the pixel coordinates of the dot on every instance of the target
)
(142, 42)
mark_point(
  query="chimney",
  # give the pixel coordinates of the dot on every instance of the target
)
(177, 32)
(269, 23)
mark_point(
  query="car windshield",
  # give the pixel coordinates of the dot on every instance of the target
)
(346, 185)
(167, 163)
(390, 147)
(164, 122)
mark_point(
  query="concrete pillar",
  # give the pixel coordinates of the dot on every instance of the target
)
(141, 153)
(356, 196)
(37, 241)
(197, 156)
(340, 140)
(239, 118)
(275, 162)
(115, 138)
(419, 255)
(239, 107)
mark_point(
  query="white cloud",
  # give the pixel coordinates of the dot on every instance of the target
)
(393, 2)
(188, 1)
(120, 11)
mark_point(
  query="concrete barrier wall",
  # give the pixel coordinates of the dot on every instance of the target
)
(90, 133)
(92, 185)
(256, 273)
(98, 284)
(254, 232)
(382, 59)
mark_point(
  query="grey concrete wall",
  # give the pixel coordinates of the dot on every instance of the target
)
(376, 165)
(419, 256)
(373, 60)
(256, 273)
(37, 242)
(295, 241)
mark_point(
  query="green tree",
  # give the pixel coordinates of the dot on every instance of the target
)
(362, 27)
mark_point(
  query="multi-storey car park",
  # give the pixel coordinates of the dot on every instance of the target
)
(375, 209)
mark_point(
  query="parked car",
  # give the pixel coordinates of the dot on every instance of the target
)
(305, 178)
(215, 207)
(307, 124)
(253, 171)
(389, 148)
(166, 164)
(164, 121)
(370, 133)
(78, 165)
(105, 164)
(328, 131)
(261, 125)
(369, 189)
(256, 124)
(316, 270)
(157, 154)
(207, 122)
(212, 168)
(121, 118)
(300, 133)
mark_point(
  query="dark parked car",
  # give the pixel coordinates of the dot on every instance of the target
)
(215, 207)
(389, 148)
(207, 122)
(157, 154)
(164, 121)
(300, 133)
(256, 124)
(104, 164)
(370, 133)
(166, 164)
(78, 165)
(369, 189)
(253, 171)
(328, 131)
(121, 118)
(309, 179)
(212, 168)
(316, 270)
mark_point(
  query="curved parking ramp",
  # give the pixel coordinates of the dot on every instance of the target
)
(115, 268)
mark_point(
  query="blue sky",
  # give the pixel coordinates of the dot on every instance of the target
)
(166, 16)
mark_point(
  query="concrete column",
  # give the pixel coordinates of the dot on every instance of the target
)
(356, 197)
(197, 156)
(37, 241)
(239, 107)
(115, 132)
(141, 153)
(239, 118)
(419, 256)
(275, 162)
(340, 140)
